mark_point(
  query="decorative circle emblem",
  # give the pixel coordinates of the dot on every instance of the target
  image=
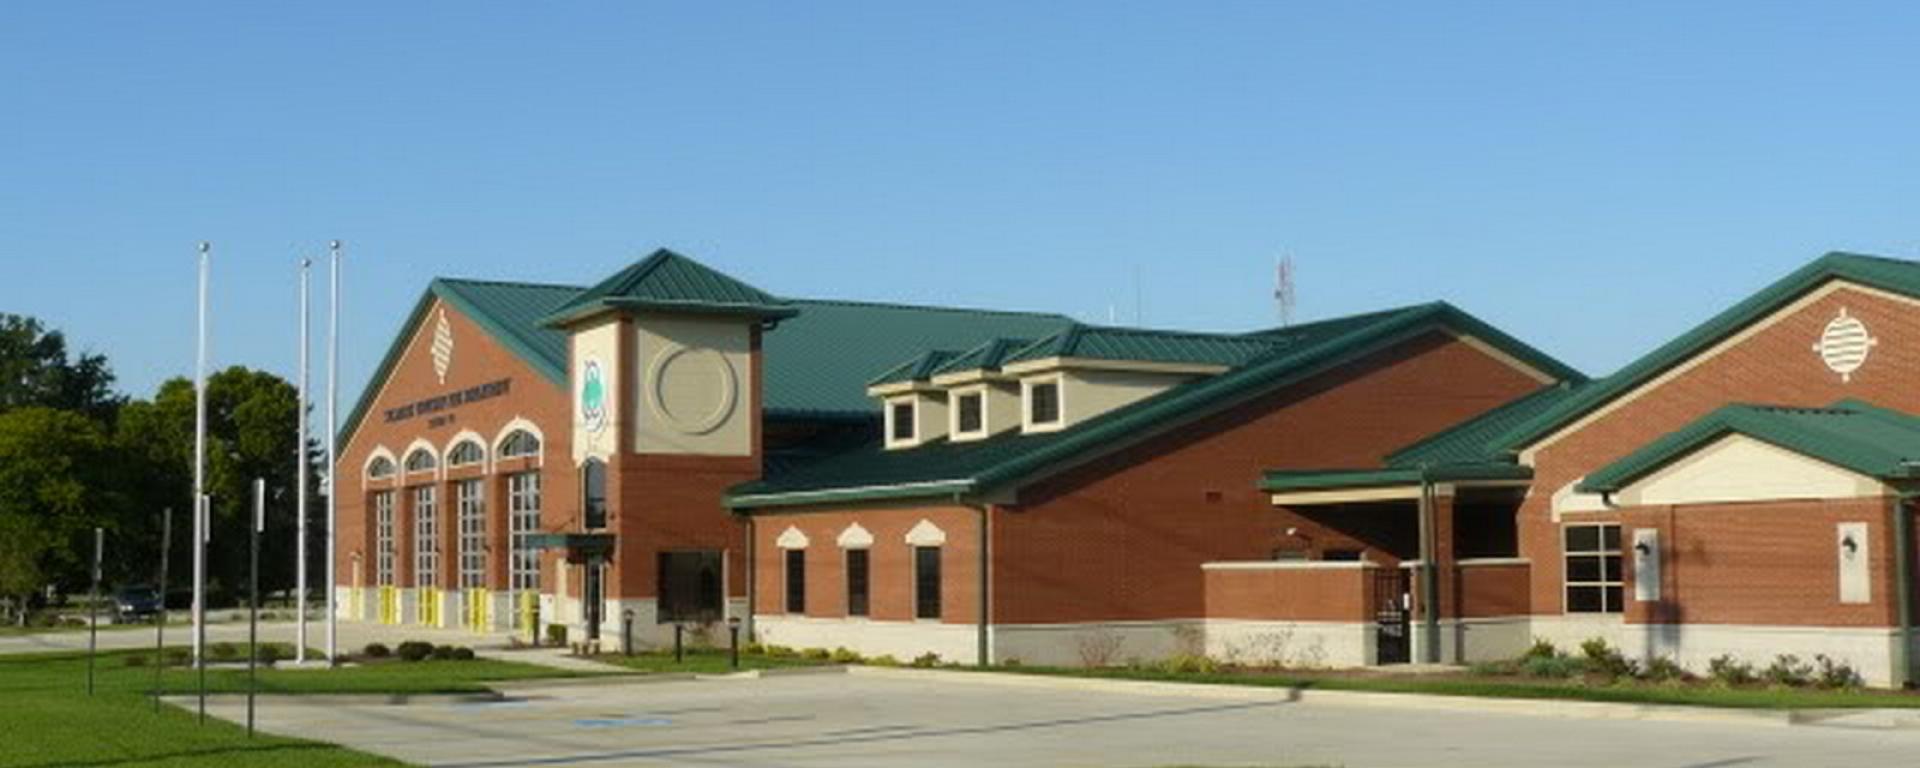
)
(442, 346)
(593, 397)
(692, 390)
(1844, 345)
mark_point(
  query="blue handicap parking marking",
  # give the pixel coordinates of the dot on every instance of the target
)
(620, 722)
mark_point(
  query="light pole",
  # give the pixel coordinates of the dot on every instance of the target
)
(300, 482)
(200, 469)
(333, 467)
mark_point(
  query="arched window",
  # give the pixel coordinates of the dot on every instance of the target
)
(381, 467)
(467, 452)
(420, 461)
(519, 444)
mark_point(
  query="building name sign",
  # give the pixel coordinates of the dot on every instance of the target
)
(439, 403)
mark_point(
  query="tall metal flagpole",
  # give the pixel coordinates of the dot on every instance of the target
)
(200, 468)
(300, 481)
(333, 473)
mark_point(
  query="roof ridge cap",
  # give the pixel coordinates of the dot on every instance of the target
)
(926, 307)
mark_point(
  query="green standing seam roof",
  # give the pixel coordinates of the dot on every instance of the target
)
(1850, 434)
(1894, 275)
(1007, 461)
(1475, 441)
(1283, 480)
(918, 369)
(671, 282)
(1093, 342)
(986, 357)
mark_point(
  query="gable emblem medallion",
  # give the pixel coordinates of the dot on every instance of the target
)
(442, 347)
(1844, 345)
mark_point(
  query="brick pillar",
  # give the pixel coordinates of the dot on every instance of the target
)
(1444, 559)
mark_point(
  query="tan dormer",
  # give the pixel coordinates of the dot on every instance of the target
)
(913, 408)
(1085, 371)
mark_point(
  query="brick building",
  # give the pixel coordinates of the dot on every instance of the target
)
(672, 444)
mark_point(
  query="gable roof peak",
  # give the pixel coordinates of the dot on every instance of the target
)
(668, 281)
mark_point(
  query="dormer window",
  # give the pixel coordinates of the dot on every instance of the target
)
(900, 422)
(1043, 403)
(970, 413)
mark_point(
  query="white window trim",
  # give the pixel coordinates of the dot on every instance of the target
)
(855, 536)
(910, 401)
(381, 452)
(468, 436)
(791, 538)
(926, 534)
(1567, 584)
(953, 413)
(420, 444)
(1027, 424)
(521, 424)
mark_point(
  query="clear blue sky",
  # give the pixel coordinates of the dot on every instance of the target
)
(1593, 177)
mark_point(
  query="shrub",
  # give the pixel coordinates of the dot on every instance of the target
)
(1606, 660)
(269, 654)
(1098, 648)
(1661, 669)
(1189, 664)
(1788, 670)
(377, 651)
(223, 651)
(177, 657)
(557, 635)
(1837, 674)
(442, 653)
(780, 652)
(135, 659)
(463, 653)
(817, 654)
(1542, 648)
(845, 656)
(753, 649)
(883, 660)
(73, 621)
(1726, 670)
(927, 660)
(414, 650)
(1558, 666)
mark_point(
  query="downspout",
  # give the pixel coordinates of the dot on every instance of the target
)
(752, 555)
(1429, 576)
(1903, 584)
(983, 625)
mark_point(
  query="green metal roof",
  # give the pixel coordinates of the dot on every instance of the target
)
(986, 357)
(1282, 480)
(920, 368)
(1145, 345)
(667, 281)
(1894, 275)
(1474, 441)
(1010, 460)
(1850, 434)
(817, 362)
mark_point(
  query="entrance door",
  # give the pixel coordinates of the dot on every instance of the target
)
(1392, 601)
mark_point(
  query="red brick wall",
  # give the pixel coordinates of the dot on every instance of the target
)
(1761, 563)
(1290, 594)
(890, 564)
(1490, 591)
(477, 359)
(1774, 365)
(1123, 538)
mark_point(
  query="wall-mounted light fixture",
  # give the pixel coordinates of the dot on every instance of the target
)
(1852, 547)
(1643, 548)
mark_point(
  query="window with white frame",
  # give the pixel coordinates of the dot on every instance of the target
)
(519, 444)
(796, 572)
(383, 564)
(900, 426)
(970, 412)
(859, 585)
(1043, 402)
(426, 538)
(926, 582)
(380, 468)
(466, 453)
(471, 506)
(1593, 569)
(523, 517)
(421, 460)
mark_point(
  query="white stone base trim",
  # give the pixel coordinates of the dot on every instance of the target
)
(1302, 644)
(1117, 642)
(1469, 641)
(1869, 649)
(903, 640)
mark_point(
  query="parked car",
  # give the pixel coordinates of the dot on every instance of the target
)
(136, 603)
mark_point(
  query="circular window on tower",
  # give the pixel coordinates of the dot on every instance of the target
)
(692, 390)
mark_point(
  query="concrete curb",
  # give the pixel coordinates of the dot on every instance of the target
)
(756, 674)
(393, 699)
(593, 681)
(1588, 710)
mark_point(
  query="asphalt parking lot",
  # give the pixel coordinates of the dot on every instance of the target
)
(969, 720)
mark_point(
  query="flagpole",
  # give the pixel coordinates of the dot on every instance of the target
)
(300, 473)
(333, 468)
(200, 467)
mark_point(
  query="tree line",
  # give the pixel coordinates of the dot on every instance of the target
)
(76, 454)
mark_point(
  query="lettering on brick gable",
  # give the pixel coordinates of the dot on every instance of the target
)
(438, 403)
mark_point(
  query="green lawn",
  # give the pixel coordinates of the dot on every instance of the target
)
(1461, 684)
(50, 721)
(704, 661)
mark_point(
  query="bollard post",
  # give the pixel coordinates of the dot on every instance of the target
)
(733, 642)
(626, 632)
(679, 652)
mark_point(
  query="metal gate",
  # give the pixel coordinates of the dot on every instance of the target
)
(1392, 601)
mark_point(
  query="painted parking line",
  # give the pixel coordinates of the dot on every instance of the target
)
(620, 722)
